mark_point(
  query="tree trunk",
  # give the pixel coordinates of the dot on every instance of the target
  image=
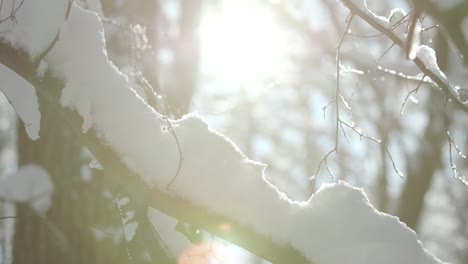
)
(423, 165)
(66, 235)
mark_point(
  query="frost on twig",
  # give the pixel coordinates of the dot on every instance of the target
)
(339, 100)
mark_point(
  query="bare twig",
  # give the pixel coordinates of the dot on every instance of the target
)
(13, 12)
(56, 38)
(335, 100)
(385, 52)
(338, 77)
(154, 100)
(415, 90)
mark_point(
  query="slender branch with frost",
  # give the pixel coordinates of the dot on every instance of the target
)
(339, 122)
(452, 145)
(422, 60)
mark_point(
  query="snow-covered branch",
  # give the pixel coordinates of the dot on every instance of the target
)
(214, 185)
(174, 206)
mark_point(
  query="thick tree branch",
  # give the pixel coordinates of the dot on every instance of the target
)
(50, 88)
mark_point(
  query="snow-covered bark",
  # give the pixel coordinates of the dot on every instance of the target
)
(186, 159)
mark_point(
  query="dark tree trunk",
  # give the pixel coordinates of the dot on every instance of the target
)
(65, 236)
(428, 158)
(422, 166)
(52, 241)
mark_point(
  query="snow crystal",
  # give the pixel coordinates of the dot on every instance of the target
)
(22, 96)
(31, 184)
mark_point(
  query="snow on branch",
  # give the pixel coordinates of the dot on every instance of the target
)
(214, 184)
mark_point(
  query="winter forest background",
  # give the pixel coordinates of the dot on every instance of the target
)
(373, 94)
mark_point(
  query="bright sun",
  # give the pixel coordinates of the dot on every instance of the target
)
(241, 42)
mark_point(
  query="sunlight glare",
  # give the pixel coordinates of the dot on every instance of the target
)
(241, 42)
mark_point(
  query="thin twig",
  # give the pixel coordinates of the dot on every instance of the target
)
(385, 52)
(415, 90)
(56, 38)
(349, 19)
(394, 164)
(338, 77)
(157, 106)
(456, 173)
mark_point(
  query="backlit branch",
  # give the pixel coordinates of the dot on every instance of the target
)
(49, 89)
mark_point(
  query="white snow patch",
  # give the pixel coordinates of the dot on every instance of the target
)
(339, 225)
(22, 96)
(362, 5)
(129, 215)
(130, 230)
(123, 201)
(392, 22)
(396, 22)
(94, 164)
(34, 26)
(416, 41)
(41, 69)
(428, 56)
(31, 184)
